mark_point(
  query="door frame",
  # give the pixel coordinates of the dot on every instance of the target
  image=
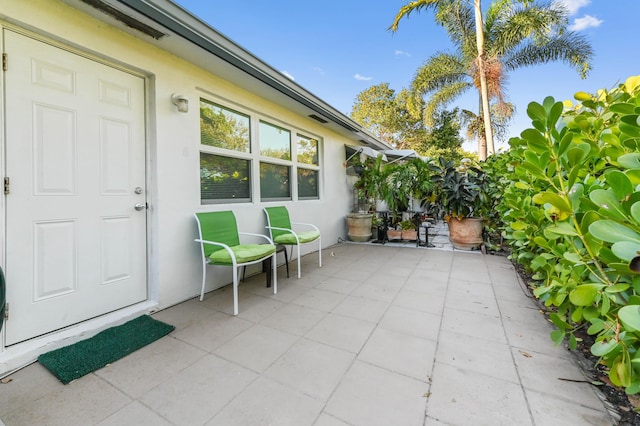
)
(20, 354)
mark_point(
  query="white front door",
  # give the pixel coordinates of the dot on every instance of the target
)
(75, 157)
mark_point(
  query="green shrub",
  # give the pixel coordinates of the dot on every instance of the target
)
(571, 214)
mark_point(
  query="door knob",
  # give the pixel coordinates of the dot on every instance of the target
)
(140, 206)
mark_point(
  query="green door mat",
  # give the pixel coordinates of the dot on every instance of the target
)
(86, 356)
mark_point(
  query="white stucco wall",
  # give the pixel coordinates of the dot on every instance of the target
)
(173, 146)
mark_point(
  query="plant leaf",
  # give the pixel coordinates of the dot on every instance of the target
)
(612, 232)
(553, 199)
(630, 161)
(608, 202)
(626, 250)
(622, 108)
(604, 347)
(630, 316)
(562, 228)
(557, 336)
(619, 183)
(585, 294)
(635, 211)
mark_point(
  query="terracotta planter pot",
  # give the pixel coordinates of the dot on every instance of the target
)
(392, 234)
(359, 226)
(409, 234)
(465, 234)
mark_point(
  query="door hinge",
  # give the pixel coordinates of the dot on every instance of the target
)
(7, 185)
(4, 62)
(6, 311)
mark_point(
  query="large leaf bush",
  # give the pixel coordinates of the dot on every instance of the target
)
(571, 214)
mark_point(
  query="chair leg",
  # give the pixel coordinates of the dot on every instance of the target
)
(299, 271)
(235, 290)
(320, 252)
(204, 279)
(274, 265)
(286, 260)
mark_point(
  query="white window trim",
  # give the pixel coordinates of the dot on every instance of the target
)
(256, 158)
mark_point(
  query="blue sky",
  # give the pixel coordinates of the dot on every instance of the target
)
(338, 48)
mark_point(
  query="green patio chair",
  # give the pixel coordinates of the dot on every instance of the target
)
(220, 245)
(281, 231)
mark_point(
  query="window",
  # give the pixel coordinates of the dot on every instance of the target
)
(274, 141)
(224, 179)
(238, 158)
(307, 156)
(224, 128)
(275, 179)
(307, 184)
(307, 150)
(274, 182)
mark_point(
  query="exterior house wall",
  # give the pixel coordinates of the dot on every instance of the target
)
(173, 143)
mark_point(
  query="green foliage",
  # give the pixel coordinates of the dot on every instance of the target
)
(395, 183)
(571, 215)
(459, 188)
(407, 225)
(410, 179)
(372, 181)
(443, 140)
(385, 114)
(388, 116)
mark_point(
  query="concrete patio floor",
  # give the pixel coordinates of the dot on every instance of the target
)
(380, 335)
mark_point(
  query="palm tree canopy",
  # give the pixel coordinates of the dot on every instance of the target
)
(516, 35)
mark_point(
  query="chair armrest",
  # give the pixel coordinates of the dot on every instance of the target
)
(257, 235)
(306, 224)
(224, 246)
(281, 229)
(291, 231)
(197, 240)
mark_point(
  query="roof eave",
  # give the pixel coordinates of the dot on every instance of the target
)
(181, 28)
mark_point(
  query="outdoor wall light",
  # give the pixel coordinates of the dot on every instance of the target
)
(181, 102)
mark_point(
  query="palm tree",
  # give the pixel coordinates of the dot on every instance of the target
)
(513, 35)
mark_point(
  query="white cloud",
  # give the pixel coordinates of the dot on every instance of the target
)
(587, 21)
(362, 77)
(286, 74)
(401, 53)
(318, 70)
(573, 5)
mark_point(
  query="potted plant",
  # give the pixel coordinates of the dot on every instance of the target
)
(409, 184)
(409, 230)
(461, 199)
(371, 184)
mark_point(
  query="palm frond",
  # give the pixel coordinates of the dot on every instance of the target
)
(409, 8)
(438, 71)
(538, 23)
(458, 19)
(441, 98)
(570, 48)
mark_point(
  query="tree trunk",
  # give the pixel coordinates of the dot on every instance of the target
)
(484, 92)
